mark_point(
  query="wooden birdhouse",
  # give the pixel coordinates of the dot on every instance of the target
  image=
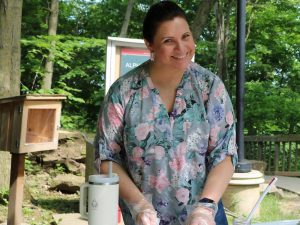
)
(29, 123)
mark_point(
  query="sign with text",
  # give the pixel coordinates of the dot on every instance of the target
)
(122, 55)
(132, 57)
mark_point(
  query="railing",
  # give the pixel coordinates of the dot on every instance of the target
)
(280, 152)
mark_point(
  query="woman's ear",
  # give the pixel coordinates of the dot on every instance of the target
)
(148, 45)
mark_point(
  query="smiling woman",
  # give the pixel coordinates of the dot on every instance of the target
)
(168, 126)
(172, 48)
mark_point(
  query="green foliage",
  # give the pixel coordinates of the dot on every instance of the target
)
(272, 57)
(271, 110)
(274, 42)
(4, 193)
(34, 16)
(31, 168)
(45, 217)
(58, 169)
(79, 63)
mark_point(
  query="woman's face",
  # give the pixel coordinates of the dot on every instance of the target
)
(173, 45)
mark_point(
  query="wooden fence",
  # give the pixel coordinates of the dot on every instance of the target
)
(280, 152)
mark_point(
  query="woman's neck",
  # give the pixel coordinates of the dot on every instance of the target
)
(165, 76)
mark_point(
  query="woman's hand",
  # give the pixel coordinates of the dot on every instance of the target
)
(201, 215)
(143, 213)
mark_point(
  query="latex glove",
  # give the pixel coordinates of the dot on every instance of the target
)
(201, 215)
(143, 213)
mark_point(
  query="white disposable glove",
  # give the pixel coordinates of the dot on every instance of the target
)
(143, 213)
(201, 215)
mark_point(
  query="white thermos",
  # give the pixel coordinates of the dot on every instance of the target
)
(99, 199)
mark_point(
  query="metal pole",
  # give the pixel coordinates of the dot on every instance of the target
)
(243, 166)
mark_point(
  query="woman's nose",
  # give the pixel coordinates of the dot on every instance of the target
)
(179, 45)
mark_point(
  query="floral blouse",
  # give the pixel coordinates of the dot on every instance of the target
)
(167, 154)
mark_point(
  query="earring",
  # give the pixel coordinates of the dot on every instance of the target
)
(152, 56)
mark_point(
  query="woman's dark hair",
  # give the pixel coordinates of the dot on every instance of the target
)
(158, 13)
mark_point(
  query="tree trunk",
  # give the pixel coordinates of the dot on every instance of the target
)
(10, 57)
(52, 29)
(201, 17)
(127, 19)
(223, 19)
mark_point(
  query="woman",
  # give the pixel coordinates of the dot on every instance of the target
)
(168, 127)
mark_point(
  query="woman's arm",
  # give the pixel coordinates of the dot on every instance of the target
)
(128, 190)
(222, 149)
(141, 210)
(215, 185)
(218, 180)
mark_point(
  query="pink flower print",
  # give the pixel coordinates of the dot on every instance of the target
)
(195, 169)
(182, 195)
(152, 181)
(160, 182)
(137, 154)
(219, 91)
(159, 152)
(115, 113)
(204, 96)
(181, 105)
(214, 132)
(128, 96)
(181, 149)
(229, 118)
(178, 163)
(150, 116)
(142, 131)
(145, 92)
(186, 126)
(152, 113)
(114, 147)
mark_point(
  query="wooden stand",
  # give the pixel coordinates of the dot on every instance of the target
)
(16, 189)
(28, 123)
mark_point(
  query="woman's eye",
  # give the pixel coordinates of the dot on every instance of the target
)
(186, 36)
(167, 41)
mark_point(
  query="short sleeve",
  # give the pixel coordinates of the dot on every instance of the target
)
(108, 142)
(222, 136)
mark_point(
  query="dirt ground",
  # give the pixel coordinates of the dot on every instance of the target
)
(291, 202)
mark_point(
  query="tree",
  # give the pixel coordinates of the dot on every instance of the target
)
(127, 19)
(201, 17)
(52, 28)
(10, 34)
(273, 67)
(223, 10)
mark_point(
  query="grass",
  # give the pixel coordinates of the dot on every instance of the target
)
(41, 213)
(271, 209)
(43, 204)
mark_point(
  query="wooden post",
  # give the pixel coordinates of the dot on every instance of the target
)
(89, 160)
(16, 189)
(276, 166)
